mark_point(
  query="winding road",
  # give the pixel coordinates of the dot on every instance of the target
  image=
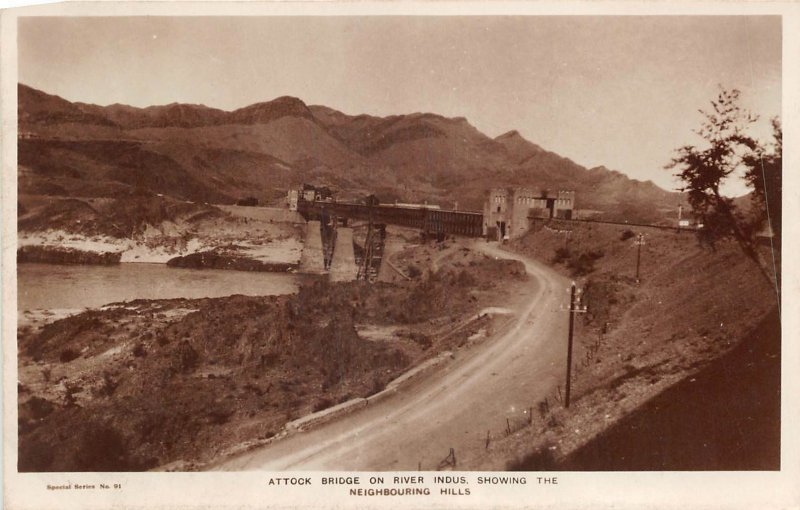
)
(451, 407)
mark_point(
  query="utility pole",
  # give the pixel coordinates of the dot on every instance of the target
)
(639, 243)
(574, 307)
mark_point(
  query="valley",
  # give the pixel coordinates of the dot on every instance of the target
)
(312, 370)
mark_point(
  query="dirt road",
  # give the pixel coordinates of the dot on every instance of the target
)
(451, 408)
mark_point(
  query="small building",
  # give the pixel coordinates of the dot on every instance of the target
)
(323, 193)
(311, 193)
(508, 212)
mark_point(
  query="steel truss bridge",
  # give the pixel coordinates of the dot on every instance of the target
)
(430, 221)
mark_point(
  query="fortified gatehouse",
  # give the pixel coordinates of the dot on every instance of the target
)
(508, 212)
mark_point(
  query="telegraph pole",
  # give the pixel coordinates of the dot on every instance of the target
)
(574, 307)
(639, 243)
(569, 342)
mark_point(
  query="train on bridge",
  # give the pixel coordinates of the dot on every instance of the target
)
(434, 222)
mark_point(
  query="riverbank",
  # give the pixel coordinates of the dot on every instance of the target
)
(88, 231)
(147, 383)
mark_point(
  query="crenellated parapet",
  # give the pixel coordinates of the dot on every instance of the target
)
(508, 212)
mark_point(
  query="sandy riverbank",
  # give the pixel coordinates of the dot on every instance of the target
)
(268, 243)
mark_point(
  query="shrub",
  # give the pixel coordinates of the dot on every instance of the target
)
(321, 404)
(102, 448)
(378, 385)
(626, 234)
(162, 339)
(562, 254)
(583, 263)
(220, 415)
(109, 384)
(186, 358)
(39, 407)
(421, 339)
(139, 350)
(599, 296)
(269, 359)
(68, 355)
(465, 279)
(71, 390)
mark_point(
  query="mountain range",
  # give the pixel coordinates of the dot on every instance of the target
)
(194, 152)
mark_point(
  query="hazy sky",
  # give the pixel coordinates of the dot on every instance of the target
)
(616, 91)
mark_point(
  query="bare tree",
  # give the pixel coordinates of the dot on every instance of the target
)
(729, 150)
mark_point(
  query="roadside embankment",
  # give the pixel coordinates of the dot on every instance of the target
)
(326, 415)
(725, 417)
(637, 339)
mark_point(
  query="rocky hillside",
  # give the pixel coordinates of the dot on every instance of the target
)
(194, 152)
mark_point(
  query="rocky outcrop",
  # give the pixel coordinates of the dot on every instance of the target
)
(215, 260)
(57, 255)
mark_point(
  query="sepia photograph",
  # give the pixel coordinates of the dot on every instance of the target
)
(465, 249)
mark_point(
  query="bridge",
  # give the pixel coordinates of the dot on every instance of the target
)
(430, 221)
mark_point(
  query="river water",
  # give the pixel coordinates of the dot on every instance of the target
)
(49, 286)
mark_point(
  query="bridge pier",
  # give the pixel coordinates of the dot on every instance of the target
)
(343, 265)
(311, 260)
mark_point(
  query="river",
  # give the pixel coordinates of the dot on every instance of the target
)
(50, 286)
